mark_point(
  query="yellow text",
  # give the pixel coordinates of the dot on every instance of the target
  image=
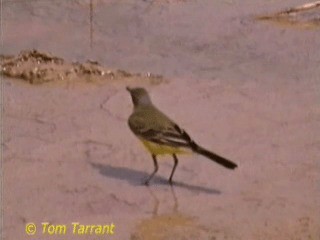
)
(52, 229)
(80, 229)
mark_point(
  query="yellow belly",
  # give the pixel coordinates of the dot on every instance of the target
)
(158, 149)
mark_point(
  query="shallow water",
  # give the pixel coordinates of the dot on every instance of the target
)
(193, 39)
(72, 136)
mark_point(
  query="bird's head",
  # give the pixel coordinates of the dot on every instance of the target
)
(139, 96)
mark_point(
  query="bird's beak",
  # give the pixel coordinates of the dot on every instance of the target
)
(128, 89)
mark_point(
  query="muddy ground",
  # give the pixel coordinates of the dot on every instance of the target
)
(241, 77)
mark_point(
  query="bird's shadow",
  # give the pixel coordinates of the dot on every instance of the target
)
(135, 177)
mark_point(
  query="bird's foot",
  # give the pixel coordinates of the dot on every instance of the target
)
(146, 182)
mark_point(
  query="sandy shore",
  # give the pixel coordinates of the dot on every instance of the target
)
(68, 155)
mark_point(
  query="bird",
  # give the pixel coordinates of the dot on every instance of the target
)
(161, 135)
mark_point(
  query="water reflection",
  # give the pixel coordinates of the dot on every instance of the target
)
(91, 24)
(156, 202)
(169, 222)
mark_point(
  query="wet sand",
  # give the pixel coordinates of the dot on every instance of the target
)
(246, 89)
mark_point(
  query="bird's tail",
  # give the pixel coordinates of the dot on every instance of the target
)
(214, 157)
(200, 150)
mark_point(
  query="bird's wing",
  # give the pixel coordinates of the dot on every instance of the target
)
(159, 130)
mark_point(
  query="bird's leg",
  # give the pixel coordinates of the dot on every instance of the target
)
(156, 167)
(174, 167)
